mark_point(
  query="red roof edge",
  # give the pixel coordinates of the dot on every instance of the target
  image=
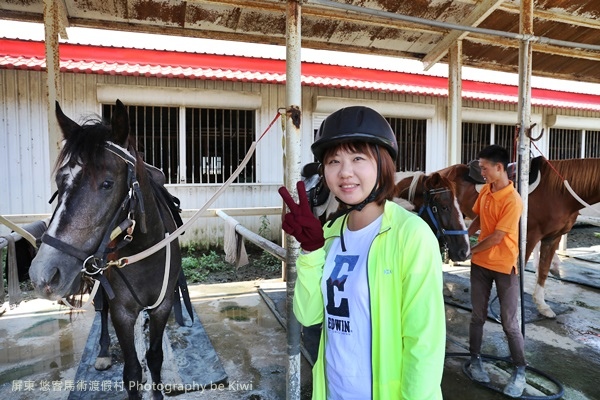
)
(162, 58)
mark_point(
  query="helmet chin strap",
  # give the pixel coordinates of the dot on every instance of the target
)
(358, 207)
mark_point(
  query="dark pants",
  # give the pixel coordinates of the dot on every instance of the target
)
(507, 287)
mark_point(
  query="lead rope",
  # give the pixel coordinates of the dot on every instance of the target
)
(165, 279)
(26, 235)
(122, 262)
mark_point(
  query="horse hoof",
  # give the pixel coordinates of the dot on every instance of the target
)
(547, 312)
(103, 363)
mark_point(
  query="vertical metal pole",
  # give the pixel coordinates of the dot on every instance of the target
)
(455, 103)
(293, 134)
(525, 54)
(51, 31)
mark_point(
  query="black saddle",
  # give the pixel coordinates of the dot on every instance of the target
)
(316, 191)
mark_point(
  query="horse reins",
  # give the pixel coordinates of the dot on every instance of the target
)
(433, 211)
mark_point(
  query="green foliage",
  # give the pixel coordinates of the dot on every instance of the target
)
(266, 261)
(197, 268)
(597, 234)
(265, 227)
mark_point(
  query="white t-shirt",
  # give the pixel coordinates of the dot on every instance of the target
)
(345, 291)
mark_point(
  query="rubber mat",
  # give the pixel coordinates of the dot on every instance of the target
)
(190, 363)
(575, 270)
(457, 292)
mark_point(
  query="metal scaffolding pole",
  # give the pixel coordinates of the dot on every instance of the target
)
(524, 107)
(293, 135)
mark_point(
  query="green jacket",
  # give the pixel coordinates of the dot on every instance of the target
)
(408, 322)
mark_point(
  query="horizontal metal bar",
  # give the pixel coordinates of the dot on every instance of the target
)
(453, 26)
(258, 240)
(187, 213)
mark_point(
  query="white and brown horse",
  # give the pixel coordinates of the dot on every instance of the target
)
(552, 208)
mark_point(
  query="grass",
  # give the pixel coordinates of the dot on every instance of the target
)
(198, 266)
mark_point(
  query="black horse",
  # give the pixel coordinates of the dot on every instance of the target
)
(110, 207)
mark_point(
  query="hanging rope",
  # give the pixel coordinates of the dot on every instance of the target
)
(148, 252)
(566, 183)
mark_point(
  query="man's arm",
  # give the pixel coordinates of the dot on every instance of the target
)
(474, 227)
(490, 241)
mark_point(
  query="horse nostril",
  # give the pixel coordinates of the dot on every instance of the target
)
(55, 278)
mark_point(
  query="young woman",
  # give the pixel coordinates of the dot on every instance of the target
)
(373, 276)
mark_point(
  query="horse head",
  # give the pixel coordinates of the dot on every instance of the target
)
(94, 189)
(441, 211)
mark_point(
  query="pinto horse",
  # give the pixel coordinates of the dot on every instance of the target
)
(432, 195)
(552, 208)
(109, 208)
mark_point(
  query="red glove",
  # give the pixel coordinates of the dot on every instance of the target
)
(300, 221)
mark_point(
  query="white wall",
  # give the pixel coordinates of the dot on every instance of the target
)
(26, 171)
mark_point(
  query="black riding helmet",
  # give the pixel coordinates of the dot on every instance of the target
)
(350, 124)
(357, 123)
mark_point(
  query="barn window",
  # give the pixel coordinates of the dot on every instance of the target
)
(592, 144)
(411, 136)
(412, 143)
(193, 145)
(564, 144)
(476, 136)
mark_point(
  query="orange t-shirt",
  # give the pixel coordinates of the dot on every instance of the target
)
(499, 211)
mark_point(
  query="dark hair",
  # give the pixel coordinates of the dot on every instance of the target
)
(386, 183)
(496, 154)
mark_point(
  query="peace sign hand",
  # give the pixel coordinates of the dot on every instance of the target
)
(300, 221)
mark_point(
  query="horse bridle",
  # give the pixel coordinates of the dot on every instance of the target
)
(94, 265)
(430, 206)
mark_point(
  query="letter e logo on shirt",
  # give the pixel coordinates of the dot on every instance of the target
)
(343, 263)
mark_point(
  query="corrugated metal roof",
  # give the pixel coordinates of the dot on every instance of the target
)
(346, 25)
(121, 61)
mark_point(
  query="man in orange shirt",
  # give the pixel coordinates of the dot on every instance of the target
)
(494, 258)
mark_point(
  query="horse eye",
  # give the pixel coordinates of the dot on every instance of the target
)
(106, 185)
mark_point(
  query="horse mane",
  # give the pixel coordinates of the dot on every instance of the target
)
(581, 173)
(85, 146)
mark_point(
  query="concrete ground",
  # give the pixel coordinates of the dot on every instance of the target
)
(41, 345)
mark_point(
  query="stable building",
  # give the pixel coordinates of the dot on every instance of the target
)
(195, 115)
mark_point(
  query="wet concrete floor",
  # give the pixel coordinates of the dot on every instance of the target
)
(41, 345)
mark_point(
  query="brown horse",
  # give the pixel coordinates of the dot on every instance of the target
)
(552, 208)
(435, 199)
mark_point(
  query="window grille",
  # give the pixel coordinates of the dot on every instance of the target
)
(215, 141)
(504, 135)
(476, 136)
(411, 135)
(564, 144)
(592, 144)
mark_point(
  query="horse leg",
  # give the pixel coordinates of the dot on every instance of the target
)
(124, 324)
(547, 249)
(154, 355)
(103, 360)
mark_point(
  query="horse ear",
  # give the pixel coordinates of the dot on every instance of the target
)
(67, 125)
(120, 124)
(435, 179)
